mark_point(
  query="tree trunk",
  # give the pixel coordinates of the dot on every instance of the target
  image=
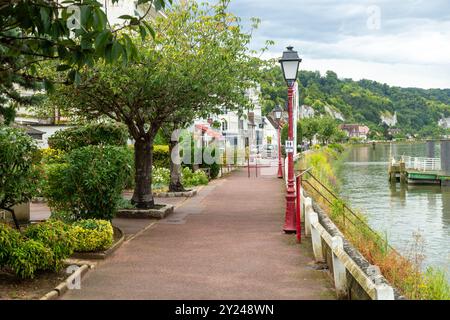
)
(175, 184)
(143, 158)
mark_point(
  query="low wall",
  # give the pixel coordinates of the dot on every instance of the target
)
(354, 277)
(22, 212)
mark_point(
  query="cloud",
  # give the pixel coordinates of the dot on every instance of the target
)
(411, 47)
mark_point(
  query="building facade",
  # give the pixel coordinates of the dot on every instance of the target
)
(355, 130)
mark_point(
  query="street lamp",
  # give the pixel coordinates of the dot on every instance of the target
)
(289, 65)
(278, 112)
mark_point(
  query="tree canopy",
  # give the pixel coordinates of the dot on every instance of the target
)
(75, 33)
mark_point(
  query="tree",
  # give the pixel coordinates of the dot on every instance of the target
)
(339, 136)
(73, 32)
(197, 63)
(19, 176)
(327, 128)
(310, 128)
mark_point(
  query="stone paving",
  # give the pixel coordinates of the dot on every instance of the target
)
(224, 243)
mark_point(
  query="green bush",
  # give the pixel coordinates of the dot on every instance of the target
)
(161, 156)
(9, 239)
(337, 147)
(44, 246)
(23, 256)
(90, 182)
(55, 235)
(114, 134)
(19, 176)
(92, 235)
(30, 256)
(196, 178)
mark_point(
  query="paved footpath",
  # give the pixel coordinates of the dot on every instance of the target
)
(225, 243)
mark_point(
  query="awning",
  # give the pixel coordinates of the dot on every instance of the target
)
(207, 130)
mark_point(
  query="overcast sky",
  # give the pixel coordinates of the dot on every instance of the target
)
(400, 42)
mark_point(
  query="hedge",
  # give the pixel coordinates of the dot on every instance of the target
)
(114, 134)
(161, 156)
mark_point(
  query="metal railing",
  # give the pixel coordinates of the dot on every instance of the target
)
(421, 163)
(348, 215)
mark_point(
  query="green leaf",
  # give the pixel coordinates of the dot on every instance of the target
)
(77, 78)
(126, 17)
(116, 50)
(63, 67)
(143, 32)
(99, 19)
(101, 39)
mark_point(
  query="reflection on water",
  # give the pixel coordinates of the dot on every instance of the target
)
(398, 210)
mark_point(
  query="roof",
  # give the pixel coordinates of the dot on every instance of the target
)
(209, 131)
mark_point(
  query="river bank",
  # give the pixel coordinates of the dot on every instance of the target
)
(404, 271)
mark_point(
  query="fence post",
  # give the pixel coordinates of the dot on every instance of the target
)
(316, 239)
(298, 223)
(308, 209)
(339, 270)
(384, 292)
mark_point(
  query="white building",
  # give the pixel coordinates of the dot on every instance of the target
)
(235, 131)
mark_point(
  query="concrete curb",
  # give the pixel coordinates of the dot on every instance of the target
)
(188, 194)
(62, 288)
(146, 213)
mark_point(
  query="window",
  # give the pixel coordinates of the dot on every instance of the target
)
(224, 125)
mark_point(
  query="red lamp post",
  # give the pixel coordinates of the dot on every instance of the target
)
(278, 114)
(289, 65)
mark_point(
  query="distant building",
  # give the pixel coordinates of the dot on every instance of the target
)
(394, 131)
(355, 130)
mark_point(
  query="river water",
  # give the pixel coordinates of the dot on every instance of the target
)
(399, 211)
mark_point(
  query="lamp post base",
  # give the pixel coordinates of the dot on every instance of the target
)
(289, 225)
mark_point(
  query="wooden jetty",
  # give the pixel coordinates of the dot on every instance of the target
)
(417, 170)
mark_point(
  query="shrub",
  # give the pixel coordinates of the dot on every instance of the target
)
(337, 147)
(30, 256)
(9, 239)
(92, 235)
(18, 174)
(23, 256)
(51, 156)
(161, 156)
(89, 183)
(196, 178)
(114, 134)
(55, 235)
